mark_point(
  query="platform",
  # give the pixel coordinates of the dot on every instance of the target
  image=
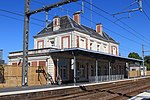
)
(142, 96)
(54, 90)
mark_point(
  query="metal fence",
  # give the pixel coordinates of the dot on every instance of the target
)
(106, 78)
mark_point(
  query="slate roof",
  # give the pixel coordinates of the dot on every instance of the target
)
(67, 23)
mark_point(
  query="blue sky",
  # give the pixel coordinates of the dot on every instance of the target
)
(129, 39)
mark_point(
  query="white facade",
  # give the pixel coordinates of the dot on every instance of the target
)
(64, 39)
(76, 39)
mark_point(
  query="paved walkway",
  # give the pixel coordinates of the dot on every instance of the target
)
(142, 96)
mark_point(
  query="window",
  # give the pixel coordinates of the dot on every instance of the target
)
(82, 42)
(115, 71)
(77, 41)
(82, 71)
(52, 42)
(114, 50)
(91, 46)
(34, 63)
(56, 24)
(98, 48)
(99, 70)
(66, 42)
(105, 70)
(63, 72)
(92, 71)
(40, 44)
(14, 64)
(105, 48)
(42, 63)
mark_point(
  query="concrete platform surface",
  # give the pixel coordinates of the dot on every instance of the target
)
(31, 89)
(142, 96)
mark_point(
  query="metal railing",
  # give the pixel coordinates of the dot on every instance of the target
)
(105, 78)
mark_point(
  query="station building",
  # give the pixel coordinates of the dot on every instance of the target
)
(76, 53)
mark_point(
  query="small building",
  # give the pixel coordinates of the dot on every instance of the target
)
(74, 52)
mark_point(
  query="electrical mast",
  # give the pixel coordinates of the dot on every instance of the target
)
(139, 2)
(27, 14)
(25, 44)
(143, 51)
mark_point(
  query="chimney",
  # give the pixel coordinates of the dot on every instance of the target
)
(99, 28)
(76, 16)
(56, 23)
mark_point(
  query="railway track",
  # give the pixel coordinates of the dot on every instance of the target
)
(112, 91)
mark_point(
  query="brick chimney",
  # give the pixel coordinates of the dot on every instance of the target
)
(76, 17)
(99, 28)
(56, 23)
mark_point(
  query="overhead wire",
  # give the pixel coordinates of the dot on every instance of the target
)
(109, 29)
(145, 1)
(104, 27)
(108, 19)
(129, 6)
(118, 24)
(41, 3)
(116, 33)
(19, 19)
(146, 15)
(19, 14)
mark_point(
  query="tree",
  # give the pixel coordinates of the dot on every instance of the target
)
(134, 55)
(147, 62)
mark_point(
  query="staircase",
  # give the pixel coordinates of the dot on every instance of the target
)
(49, 77)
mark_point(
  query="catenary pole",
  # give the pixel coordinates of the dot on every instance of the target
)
(27, 14)
(143, 51)
(143, 59)
(25, 44)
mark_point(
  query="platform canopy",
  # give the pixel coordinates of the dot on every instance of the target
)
(92, 54)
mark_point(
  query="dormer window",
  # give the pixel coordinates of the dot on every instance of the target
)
(56, 23)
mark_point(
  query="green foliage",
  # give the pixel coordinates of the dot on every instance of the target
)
(134, 55)
(147, 62)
